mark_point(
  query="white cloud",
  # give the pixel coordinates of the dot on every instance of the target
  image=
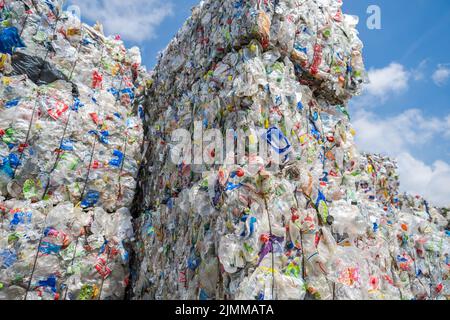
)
(397, 134)
(441, 75)
(392, 79)
(397, 137)
(429, 181)
(134, 20)
(389, 81)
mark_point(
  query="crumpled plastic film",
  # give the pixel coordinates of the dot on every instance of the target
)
(70, 147)
(328, 223)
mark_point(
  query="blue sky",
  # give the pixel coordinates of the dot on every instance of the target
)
(405, 110)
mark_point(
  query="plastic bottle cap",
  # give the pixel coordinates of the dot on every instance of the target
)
(265, 238)
(240, 173)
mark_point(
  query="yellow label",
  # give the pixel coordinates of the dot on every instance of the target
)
(95, 292)
(3, 59)
(302, 139)
(6, 81)
(73, 32)
(267, 270)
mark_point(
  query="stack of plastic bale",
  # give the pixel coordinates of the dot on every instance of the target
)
(423, 232)
(69, 154)
(324, 223)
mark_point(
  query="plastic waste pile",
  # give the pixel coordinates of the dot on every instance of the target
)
(328, 222)
(70, 139)
(311, 219)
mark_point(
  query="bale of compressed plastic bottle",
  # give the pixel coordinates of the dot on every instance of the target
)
(310, 218)
(70, 146)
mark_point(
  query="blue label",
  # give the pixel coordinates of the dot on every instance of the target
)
(90, 199)
(117, 160)
(67, 145)
(12, 103)
(277, 140)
